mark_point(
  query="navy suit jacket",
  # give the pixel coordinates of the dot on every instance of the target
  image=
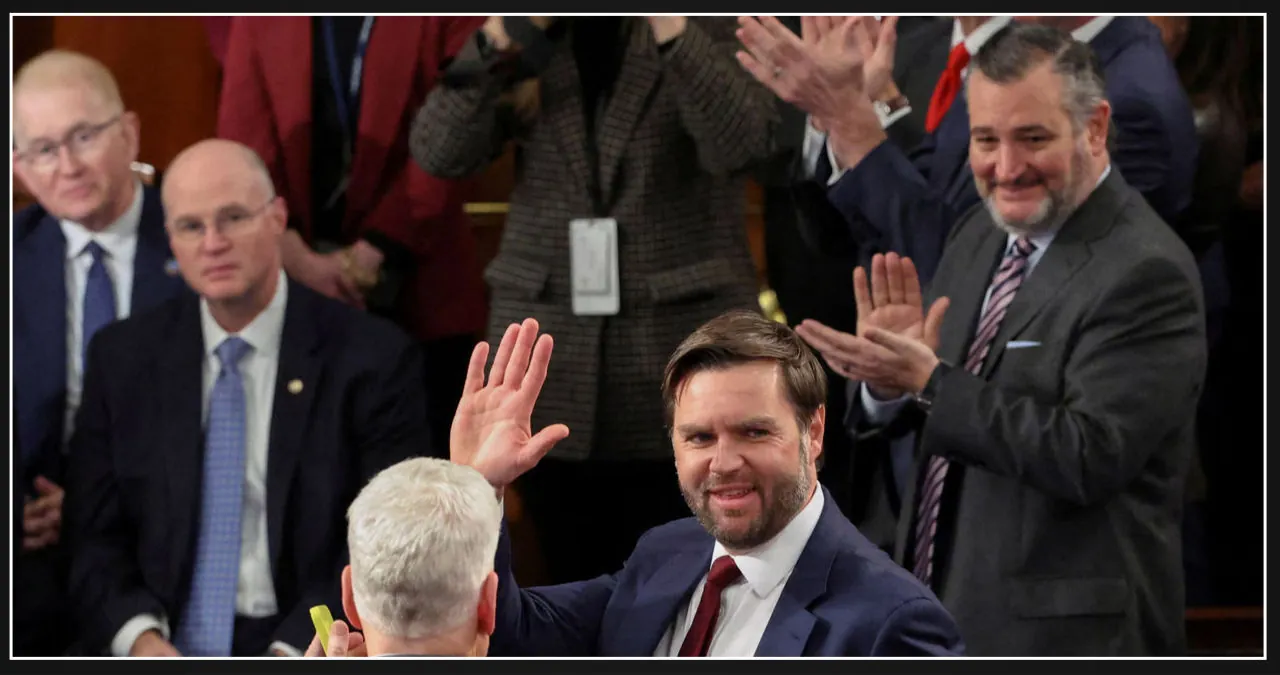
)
(134, 479)
(844, 598)
(40, 323)
(40, 392)
(908, 204)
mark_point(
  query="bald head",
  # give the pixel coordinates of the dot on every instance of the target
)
(63, 69)
(225, 224)
(222, 158)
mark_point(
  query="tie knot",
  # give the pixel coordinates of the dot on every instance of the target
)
(231, 351)
(959, 57)
(1022, 247)
(95, 249)
(724, 571)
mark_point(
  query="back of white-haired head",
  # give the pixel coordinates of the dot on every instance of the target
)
(422, 536)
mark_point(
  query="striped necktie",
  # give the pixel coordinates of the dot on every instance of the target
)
(1003, 287)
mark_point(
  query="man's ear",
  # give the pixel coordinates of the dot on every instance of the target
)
(487, 608)
(817, 427)
(1100, 130)
(349, 600)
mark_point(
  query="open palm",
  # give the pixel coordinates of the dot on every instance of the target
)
(492, 430)
(893, 302)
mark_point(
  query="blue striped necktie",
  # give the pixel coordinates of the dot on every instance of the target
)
(209, 617)
(99, 303)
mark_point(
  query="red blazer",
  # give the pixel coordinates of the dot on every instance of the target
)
(266, 104)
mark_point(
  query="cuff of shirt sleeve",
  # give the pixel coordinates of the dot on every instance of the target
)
(132, 629)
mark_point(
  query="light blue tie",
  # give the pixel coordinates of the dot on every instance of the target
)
(99, 308)
(209, 617)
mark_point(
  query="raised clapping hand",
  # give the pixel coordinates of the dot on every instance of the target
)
(894, 350)
(492, 429)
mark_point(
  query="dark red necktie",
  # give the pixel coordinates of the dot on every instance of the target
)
(723, 572)
(948, 87)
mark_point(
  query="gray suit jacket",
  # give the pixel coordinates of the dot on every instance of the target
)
(679, 132)
(1068, 458)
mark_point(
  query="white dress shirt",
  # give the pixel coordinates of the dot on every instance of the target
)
(119, 241)
(255, 591)
(747, 606)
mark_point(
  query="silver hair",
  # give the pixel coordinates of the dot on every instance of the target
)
(422, 536)
(1019, 47)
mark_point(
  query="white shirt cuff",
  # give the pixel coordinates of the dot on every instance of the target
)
(887, 120)
(287, 648)
(880, 412)
(812, 149)
(837, 172)
(132, 629)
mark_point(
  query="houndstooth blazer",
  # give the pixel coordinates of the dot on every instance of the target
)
(675, 140)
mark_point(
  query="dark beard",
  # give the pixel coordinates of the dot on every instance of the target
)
(778, 507)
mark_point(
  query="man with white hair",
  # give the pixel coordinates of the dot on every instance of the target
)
(422, 536)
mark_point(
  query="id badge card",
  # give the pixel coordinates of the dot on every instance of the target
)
(593, 266)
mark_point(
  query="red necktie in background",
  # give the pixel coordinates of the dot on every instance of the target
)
(948, 87)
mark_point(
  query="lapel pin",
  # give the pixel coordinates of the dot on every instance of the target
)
(171, 267)
(295, 386)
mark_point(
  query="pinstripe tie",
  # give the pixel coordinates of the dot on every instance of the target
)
(209, 617)
(1003, 287)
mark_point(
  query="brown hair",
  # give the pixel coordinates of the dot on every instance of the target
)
(742, 336)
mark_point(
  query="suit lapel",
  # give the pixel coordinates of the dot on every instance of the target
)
(181, 434)
(42, 313)
(287, 76)
(1065, 256)
(637, 77)
(792, 622)
(154, 274)
(662, 596)
(391, 64)
(561, 102)
(299, 363)
(967, 293)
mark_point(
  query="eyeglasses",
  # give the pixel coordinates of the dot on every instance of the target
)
(43, 154)
(229, 221)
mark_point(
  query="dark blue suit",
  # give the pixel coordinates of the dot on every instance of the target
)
(40, 322)
(40, 390)
(134, 479)
(892, 202)
(844, 598)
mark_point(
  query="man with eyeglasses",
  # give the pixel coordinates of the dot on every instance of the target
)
(91, 250)
(223, 434)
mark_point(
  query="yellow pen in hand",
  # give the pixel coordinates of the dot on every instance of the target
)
(323, 620)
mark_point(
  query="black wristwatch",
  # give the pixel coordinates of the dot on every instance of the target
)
(925, 397)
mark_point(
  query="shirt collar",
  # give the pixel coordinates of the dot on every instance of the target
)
(116, 239)
(1089, 31)
(262, 334)
(974, 41)
(768, 564)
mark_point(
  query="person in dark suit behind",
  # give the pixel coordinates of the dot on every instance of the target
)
(813, 278)
(327, 102)
(908, 204)
(768, 552)
(645, 122)
(1053, 391)
(422, 536)
(91, 250)
(223, 434)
